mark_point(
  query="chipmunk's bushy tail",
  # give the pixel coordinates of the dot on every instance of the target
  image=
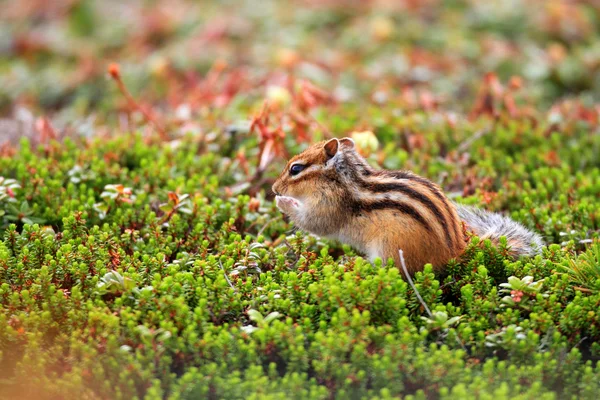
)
(489, 225)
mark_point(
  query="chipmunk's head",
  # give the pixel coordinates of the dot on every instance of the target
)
(312, 178)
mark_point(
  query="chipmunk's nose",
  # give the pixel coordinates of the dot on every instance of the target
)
(275, 189)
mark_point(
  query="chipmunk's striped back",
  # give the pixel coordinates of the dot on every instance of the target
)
(401, 192)
(332, 191)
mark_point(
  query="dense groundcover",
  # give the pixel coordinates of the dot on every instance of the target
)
(141, 254)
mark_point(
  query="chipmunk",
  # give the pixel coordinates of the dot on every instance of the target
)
(330, 190)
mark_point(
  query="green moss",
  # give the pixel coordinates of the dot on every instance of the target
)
(127, 291)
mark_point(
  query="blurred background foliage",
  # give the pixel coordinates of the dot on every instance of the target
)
(55, 53)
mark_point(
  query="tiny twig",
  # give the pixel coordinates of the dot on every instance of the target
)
(477, 135)
(584, 290)
(412, 284)
(581, 341)
(290, 247)
(45, 129)
(267, 224)
(115, 73)
(462, 345)
(226, 278)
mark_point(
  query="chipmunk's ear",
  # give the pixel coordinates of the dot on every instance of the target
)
(348, 142)
(331, 147)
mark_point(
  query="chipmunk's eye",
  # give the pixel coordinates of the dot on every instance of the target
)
(296, 169)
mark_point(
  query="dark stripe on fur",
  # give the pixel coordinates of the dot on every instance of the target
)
(354, 167)
(359, 207)
(377, 187)
(435, 190)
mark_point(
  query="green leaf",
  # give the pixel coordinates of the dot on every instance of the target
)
(255, 316)
(272, 316)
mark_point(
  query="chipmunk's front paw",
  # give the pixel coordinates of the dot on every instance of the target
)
(287, 204)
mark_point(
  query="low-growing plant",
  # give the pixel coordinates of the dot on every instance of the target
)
(584, 269)
(165, 287)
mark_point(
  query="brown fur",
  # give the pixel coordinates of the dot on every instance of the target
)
(377, 212)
